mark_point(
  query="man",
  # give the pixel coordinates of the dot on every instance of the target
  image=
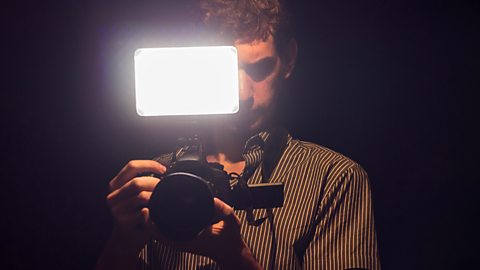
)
(326, 221)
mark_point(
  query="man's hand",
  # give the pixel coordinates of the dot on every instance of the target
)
(128, 199)
(221, 241)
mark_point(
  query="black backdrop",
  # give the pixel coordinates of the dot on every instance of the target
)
(389, 83)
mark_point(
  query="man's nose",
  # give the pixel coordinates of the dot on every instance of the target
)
(245, 85)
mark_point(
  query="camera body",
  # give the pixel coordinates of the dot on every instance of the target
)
(181, 205)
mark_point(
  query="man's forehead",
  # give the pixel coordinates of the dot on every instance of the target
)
(250, 52)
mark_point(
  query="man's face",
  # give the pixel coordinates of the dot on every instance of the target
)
(260, 71)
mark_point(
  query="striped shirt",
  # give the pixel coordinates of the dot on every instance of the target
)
(327, 212)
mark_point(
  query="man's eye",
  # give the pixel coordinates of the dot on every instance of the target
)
(260, 70)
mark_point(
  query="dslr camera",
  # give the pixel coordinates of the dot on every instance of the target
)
(182, 205)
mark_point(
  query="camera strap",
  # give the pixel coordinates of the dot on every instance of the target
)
(274, 147)
(268, 153)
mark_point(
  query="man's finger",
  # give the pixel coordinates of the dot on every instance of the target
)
(134, 168)
(132, 189)
(223, 211)
(132, 204)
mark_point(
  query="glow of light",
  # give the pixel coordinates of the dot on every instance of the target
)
(186, 81)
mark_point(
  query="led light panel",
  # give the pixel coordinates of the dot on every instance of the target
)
(186, 81)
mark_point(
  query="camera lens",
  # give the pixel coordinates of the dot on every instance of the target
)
(181, 206)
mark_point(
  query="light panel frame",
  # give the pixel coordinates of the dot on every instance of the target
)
(186, 81)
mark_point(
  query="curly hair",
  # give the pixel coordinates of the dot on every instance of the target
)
(248, 20)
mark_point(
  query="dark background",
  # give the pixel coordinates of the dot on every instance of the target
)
(388, 83)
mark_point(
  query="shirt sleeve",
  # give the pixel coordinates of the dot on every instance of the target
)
(345, 233)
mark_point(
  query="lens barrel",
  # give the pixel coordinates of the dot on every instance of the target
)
(181, 206)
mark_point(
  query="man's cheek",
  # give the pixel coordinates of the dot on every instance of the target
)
(267, 94)
(265, 88)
